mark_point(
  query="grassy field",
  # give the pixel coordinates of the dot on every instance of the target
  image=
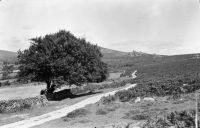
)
(22, 92)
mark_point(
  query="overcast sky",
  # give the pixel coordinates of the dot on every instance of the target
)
(152, 26)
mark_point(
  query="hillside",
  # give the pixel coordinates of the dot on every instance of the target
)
(8, 56)
(119, 61)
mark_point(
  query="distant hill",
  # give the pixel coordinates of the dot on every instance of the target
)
(119, 61)
(109, 53)
(8, 56)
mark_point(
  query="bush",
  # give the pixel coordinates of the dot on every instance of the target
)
(106, 110)
(43, 92)
(182, 119)
(101, 112)
(106, 84)
(77, 113)
(108, 100)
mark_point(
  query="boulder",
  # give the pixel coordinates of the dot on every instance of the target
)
(138, 99)
(121, 125)
(149, 99)
(136, 124)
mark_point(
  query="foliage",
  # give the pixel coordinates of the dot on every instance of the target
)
(76, 113)
(7, 69)
(62, 55)
(108, 100)
(103, 85)
(101, 112)
(182, 119)
(165, 79)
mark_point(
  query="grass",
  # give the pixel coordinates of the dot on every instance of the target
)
(181, 119)
(76, 113)
(106, 110)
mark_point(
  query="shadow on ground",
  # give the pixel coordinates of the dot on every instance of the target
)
(66, 93)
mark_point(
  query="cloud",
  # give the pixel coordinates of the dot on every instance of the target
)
(155, 26)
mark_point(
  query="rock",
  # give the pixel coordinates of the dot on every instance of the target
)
(149, 99)
(121, 125)
(107, 126)
(136, 125)
(138, 99)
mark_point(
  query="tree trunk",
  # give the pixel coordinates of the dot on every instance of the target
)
(48, 86)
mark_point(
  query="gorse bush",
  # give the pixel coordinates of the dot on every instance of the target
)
(76, 113)
(182, 119)
(108, 100)
(159, 87)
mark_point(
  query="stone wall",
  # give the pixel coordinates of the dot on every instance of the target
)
(9, 106)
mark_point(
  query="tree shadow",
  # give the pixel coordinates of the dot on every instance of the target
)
(66, 93)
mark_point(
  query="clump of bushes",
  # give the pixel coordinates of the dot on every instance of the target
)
(101, 112)
(108, 100)
(106, 110)
(151, 87)
(182, 119)
(76, 113)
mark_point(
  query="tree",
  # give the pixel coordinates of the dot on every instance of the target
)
(62, 56)
(7, 69)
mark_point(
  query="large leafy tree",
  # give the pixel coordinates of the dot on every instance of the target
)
(62, 55)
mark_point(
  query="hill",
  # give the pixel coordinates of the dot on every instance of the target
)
(8, 56)
(119, 61)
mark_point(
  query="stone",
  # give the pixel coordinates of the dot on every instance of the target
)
(121, 125)
(138, 99)
(149, 99)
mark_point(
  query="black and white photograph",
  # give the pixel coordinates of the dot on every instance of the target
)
(99, 63)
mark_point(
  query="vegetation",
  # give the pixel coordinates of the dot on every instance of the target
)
(103, 85)
(6, 70)
(61, 58)
(76, 113)
(168, 78)
(16, 105)
(182, 119)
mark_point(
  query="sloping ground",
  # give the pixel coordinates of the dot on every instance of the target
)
(121, 114)
(8, 56)
(60, 113)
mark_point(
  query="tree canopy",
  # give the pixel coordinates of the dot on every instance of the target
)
(62, 55)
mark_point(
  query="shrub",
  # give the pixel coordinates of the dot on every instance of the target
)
(101, 112)
(43, 92)
(124, 95)
(77, 113)
(106, 110)
(182, 119)
(108, 100)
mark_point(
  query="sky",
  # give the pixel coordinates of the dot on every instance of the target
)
(165, 27)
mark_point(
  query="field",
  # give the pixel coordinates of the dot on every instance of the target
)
(21, 92)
